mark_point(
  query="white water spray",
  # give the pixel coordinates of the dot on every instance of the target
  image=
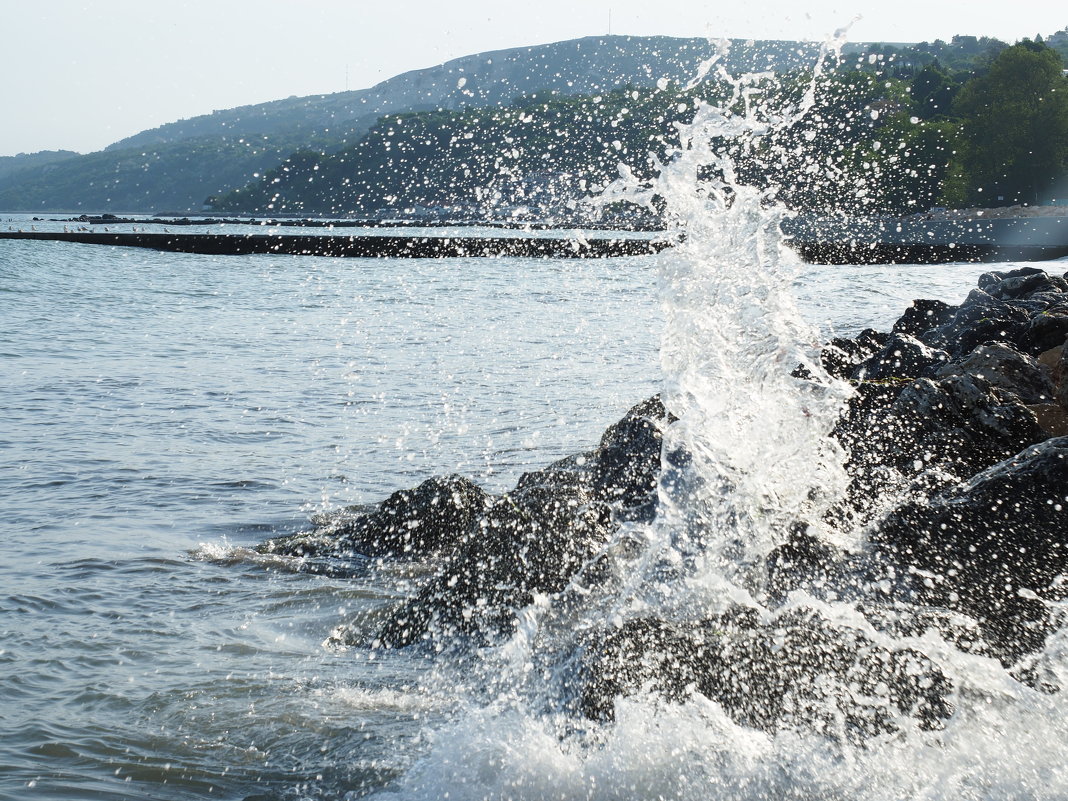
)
(748, 458)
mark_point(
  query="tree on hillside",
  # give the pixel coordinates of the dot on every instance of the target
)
(859, 150)
(1015, 126)
(932, 91)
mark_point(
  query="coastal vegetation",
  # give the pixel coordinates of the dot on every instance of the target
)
(896, 129)
(150, 178)
(895, 132)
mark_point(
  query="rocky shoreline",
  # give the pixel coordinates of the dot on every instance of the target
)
(960, 415)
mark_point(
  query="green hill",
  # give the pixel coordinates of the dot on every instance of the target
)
(178, 165)
(11, 166)
(885, 136)
(517, 127)
(176, 176)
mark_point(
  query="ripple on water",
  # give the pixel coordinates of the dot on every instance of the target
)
(153, 402)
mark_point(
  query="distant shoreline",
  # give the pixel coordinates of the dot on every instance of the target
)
(316, 222)
(207, 218)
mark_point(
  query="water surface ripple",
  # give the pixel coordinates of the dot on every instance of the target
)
(162, 409)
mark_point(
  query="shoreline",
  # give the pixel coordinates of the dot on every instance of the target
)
(959, 413)
(816, 242)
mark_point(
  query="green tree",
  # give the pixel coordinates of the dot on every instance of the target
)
(932, 91)
(1015, 125)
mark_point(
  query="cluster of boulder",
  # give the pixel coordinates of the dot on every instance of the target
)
(969, 404)
(494, 553)
(957, 443)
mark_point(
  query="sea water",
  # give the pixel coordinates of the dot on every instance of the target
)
(162, 413)
(158, 411)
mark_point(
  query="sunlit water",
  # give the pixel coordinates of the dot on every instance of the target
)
(161, 409)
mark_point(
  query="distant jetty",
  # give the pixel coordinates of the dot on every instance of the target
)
(927, 238)
(931, 238)
(395, 247)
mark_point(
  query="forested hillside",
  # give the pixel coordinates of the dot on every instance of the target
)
(177, 165)
(13, 165)
(165, 177)
(893, 131)
(898, 128)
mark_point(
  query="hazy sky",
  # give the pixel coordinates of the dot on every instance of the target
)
(80, 75)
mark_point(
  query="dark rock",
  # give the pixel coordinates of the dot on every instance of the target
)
(626, 465)
(431, 517)
(622, 471)
(947, 396)
(1004, 367)
(960, 424)
(1048, 329)
(841, 356)
(803, 562)
(537, 537)
(923, 315)
(990, 547)
(531, 540)
(797, 670)
(981, 318)
(899, 620)
(1006, 307)
(1020, 284)
(902, 357)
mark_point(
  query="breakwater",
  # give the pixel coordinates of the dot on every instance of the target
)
(413, 247)
(923, 239)
(817, 240)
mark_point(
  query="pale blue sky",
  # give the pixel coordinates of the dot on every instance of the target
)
(80, 75)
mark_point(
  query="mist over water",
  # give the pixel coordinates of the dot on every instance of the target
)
(165, 413)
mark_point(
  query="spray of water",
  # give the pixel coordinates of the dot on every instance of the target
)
(747, 460)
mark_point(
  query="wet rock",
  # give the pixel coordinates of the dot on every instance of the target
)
(841, 356)
(1004, 367)
(902, 356)
(441, 513)
(535, 538)
(923, 315)
(1022, 283)
(899, 620)
(431, 517)
(981, 318)
(960, 425)
(804, 562)
(796, 670)
(1048, 329)
(531, 540)
(946, 396)
(1027, 308)
(626, 465)
(993, 546)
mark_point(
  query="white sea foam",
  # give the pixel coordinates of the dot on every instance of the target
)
(694, 751)
(367, 699)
